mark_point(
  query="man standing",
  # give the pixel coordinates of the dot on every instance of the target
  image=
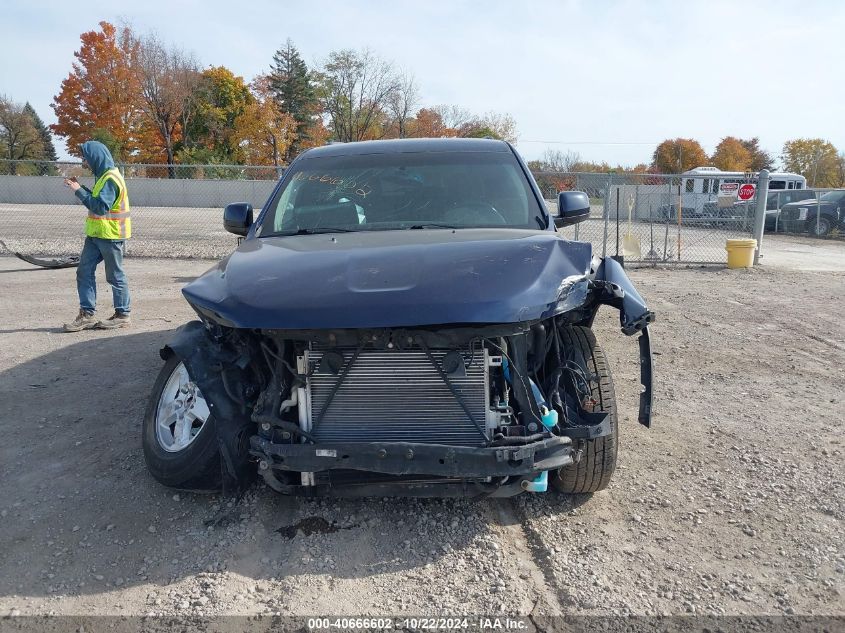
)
(107, 228)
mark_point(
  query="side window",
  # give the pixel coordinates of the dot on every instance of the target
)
(690, 185)
(791, 185)
(777, 184)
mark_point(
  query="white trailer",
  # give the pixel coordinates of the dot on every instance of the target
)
(702, 187)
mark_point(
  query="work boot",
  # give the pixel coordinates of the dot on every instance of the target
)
(118, 319)
(84, 321)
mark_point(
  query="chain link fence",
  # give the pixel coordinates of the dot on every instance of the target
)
(178, 216)
(652, 218)
(67, 169)
(648, 219)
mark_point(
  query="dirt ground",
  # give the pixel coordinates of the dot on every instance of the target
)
(732, 503)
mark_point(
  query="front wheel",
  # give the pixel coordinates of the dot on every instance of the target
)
(820, 226)
(598, 456)
(179, 434)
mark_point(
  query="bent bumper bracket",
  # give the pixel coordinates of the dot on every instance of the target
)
(646, 394)
(408, 458)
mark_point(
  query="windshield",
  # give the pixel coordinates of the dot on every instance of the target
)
(832, 196)
(401, 191)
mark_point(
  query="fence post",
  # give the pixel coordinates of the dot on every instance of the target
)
(606, 213)
(760, 216)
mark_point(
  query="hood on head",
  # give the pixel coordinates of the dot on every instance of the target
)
(97, 156)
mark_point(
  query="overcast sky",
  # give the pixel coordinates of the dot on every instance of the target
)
(608, 80)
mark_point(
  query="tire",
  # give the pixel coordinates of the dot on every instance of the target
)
(191, 461)
(598, 460)
(820, 227)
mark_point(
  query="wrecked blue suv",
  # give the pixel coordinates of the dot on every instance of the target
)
(401, 318)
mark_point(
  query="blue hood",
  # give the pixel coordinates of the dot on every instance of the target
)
(394, 279)
(97, 156)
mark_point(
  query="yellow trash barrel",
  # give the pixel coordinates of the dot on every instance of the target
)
(741, 253)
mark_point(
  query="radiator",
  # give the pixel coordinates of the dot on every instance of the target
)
(397, 396)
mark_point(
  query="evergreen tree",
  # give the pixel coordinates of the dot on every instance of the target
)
(49, 150)
(290, 83)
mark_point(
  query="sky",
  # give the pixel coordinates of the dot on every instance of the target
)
(606, 79)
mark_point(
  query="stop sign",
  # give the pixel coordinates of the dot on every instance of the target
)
(746, 192)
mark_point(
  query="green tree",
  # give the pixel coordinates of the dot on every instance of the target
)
(814, 158)
(19, 139)
(111, 142)
(48, 149)
(674, 156)
(290, 83)
(211, 136)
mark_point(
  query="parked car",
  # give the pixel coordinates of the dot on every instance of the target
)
(817, 217)
(401, 318)
(775, 201)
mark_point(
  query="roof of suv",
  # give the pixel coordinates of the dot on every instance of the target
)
(398, 146)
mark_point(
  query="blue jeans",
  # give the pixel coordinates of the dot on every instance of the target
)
(94, 252)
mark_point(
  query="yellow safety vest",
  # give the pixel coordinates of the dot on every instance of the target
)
(115, 224)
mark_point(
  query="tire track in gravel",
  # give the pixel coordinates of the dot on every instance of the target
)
(530, 555)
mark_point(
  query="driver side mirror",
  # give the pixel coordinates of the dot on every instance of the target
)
(237, 218)
(572, 207)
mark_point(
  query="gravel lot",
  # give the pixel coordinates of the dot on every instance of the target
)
(732, 503)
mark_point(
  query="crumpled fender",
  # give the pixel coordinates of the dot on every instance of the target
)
(206, 359)
(613, 288)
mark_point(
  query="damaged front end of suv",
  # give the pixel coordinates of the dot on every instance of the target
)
(402, 319)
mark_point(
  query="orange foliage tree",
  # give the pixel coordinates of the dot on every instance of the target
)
(674, 156)
(100, 95)
(732, 155)
(265, 132)
(428, 123)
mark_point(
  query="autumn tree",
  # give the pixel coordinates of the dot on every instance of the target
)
(291, 86)
(354, 88)
(264, 130)
(448, 120)
(814, 158)
(48, 150)
(219, 98)
(731, 155)
(167, 80)
(428, 123)
(674, 156)
(550, 170)
(101, 93)
(760, 158)
(19, 138)
(490, 125)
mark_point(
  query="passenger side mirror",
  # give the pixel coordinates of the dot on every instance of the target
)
(572, 207)
(237, 218)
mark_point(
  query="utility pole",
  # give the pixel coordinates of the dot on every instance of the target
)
(816, 166)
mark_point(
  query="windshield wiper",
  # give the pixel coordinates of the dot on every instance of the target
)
(314, 231)
(433, 225)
